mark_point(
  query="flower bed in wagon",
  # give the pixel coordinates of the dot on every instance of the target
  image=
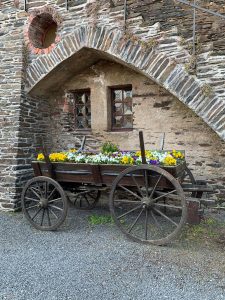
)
(153, 157)
(103, 167)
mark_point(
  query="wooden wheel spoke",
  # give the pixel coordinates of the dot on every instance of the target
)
(146, 181)
(135, 221)
(33, 206)
(156, 222)
(138, 187)
(39, 189)
(128, 212)
(33, 190)
(127, 201)
(165, 195)
(56, 207)
(49, 221)
(168, 205)
(146, 224)
(153, 190)
(52, 212)
(46, 189)
(87, 200)
(42, 218)
(129, 191)
(32, 199)
(35, 215)
(52, 192)
(93, 197)
(54, 200)
(82, 193)
(75, 200)
(165, 216)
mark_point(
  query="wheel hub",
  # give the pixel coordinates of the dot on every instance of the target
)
(147, 202)
(43, 203)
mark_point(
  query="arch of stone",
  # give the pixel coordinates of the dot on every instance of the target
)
(46, 71)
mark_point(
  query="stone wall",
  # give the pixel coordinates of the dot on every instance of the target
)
(159, 25)
(11, 72)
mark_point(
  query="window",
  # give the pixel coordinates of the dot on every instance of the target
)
(122, 115)
(82, 109)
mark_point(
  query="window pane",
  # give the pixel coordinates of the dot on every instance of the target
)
(128, 94)
(118, 121)
(80, 123)
(122, 108)
(78, 99)
(118, 95)
(88, 121)
(82, 110)
(128, 121)
(118, 108)
(128, 108)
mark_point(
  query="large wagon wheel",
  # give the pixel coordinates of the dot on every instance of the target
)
(44, 203)
(153, 210)
(85, 198)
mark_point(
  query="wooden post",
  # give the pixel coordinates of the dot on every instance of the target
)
(142, 146)
(47, 160)
(162, 141)
(83, 143)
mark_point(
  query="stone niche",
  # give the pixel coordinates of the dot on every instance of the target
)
(154, 111)
(41, 33)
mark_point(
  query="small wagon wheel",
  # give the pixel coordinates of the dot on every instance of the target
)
(44, 203)
(85, 198)
(153, 210)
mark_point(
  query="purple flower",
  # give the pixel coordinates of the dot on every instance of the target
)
(153, 162)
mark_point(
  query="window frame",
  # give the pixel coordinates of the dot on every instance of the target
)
(125, 87)
(87, 90)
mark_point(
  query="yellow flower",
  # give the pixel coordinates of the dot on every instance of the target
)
(127, 160)
(40, 157)
(177, 154)
(148, 154)
(57, 157)
(169, 161)
(73, 150)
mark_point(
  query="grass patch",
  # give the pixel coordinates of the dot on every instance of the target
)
(100, 219)
(208, 229)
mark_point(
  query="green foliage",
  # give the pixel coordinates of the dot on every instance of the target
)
(209, 228)
(109, 147)
(98, 220)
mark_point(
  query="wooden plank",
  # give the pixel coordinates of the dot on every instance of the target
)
(197, 188)
(36, 168)
(98, 174)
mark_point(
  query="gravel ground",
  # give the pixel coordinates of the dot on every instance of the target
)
(97, 262)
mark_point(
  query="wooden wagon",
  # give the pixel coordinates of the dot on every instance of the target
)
(148, 203)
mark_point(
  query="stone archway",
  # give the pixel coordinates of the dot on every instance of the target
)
(111, 42)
